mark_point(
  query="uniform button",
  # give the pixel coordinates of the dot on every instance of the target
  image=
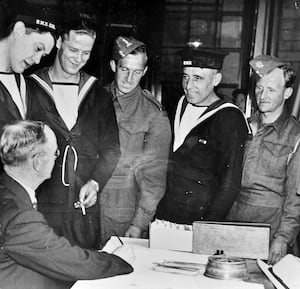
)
(199, 182)
(201, 218)
(201, 208)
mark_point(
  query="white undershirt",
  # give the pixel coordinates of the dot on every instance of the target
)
(67, 102)
(188, 121)
(9, 81)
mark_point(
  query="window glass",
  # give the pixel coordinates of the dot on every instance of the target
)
(203, 29)
(233, 5)
(231, 31)
(175, 22)
(230, 70)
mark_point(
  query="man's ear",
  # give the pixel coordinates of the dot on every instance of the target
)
(287, 92)
(59, 42)
(19, 29)
(217, 78)
(145, 70)
(112, 64)
(36, 163)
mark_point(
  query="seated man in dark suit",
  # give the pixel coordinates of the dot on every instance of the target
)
(31, 254)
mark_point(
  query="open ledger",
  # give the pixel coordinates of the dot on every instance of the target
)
(285, 273)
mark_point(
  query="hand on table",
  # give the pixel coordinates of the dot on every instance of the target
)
(133, 232)
(278, 250)
(126, 253)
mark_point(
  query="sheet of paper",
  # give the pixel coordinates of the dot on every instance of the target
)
(265, 268)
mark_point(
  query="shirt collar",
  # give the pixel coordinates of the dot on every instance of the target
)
(279, 124)
(127, 99)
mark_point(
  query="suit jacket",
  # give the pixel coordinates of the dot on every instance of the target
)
(33, 256)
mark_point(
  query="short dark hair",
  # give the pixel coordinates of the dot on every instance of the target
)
(289, 75)
(18, 140)
(80, 19)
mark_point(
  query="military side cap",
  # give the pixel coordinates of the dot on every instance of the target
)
(124, 46)
(42, 18)
(203, 58)
(263, 64)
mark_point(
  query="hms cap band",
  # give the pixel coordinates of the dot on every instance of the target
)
(124, 46)
(263, 64)
(38, 22)
(44, 19)
(203, 58)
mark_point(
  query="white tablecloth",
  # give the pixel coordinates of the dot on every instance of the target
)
(144, 277)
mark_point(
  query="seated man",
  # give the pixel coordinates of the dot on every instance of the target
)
(31, 254)
(270, 180)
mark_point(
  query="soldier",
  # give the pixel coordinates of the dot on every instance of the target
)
(270, 181)
(129, 200)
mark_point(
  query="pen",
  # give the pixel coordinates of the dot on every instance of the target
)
(119, 239)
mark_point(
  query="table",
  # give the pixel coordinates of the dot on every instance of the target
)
(144, 277)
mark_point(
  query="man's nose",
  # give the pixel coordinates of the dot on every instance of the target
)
(263, 93)
(78, 56)
(130, 76)
(189, 83)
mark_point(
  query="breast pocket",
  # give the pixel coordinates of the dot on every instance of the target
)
(273, 159)
(132, 135)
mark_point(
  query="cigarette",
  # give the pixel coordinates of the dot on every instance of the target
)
(83, 209)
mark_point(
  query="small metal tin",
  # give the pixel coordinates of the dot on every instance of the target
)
(226, 268)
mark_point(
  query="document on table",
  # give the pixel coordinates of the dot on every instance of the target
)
(285, 273)
(145, 277)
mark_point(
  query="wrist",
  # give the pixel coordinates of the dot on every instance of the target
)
(94, 184)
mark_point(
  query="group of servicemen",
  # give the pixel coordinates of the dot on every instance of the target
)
(101, 161)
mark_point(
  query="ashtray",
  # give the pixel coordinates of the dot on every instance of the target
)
(226, 268)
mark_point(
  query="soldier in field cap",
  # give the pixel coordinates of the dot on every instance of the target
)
(270, 191)
(209, 134)
(129, 200)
